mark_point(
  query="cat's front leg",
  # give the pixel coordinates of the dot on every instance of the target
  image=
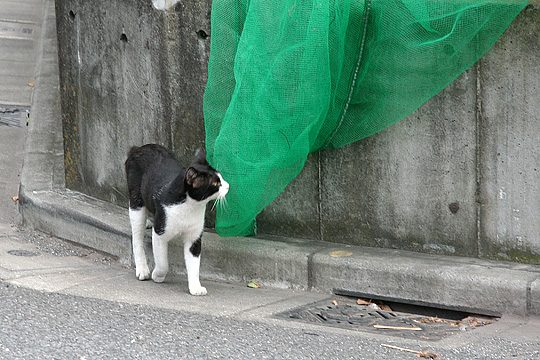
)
(160, 247)
(192, 257)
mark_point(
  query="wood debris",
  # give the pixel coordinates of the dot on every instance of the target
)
(470, 321)
(422, 354)
(436, 320)
(473, 321)
(375, 305)
(361, 301)
(390, 327)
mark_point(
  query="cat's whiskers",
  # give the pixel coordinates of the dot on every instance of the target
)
(223, 203)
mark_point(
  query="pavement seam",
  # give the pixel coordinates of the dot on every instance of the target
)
(529, 309)
(310, 265)
(54, 269)
(251, 309)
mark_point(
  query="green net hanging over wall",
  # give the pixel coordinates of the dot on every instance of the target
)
(287, 78)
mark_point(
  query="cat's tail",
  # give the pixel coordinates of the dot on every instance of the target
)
(131, 159)
(132, 152)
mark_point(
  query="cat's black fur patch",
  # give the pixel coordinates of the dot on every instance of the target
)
(160, 219)
(156, 178)
(195, 248)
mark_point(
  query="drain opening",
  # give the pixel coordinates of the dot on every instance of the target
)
(363, 313)
(420, 307)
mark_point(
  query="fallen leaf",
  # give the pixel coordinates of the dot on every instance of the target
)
(254, 284)
(334, 302)
(429, 320)
(340, 253)
(15, 199)
(372, 305)
(476, 321)
(361, 301)
(426, 354)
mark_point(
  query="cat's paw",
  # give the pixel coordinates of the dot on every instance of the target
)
(142, 273)
(197, 290)
(158, 276)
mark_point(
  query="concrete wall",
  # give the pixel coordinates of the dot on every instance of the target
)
(461, 176)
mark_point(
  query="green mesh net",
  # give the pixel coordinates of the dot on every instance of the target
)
(287, 78)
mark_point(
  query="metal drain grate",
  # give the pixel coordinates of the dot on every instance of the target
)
(346, 313)
(14, 116)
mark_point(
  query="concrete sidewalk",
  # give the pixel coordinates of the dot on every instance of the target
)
(70, 293)
(86, 273)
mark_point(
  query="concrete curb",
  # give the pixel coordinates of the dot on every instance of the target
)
(451, 282)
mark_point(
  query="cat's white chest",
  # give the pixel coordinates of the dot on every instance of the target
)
(185, 219)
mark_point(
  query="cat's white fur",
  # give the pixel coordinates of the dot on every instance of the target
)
(138, 226)
(185, 221)
(164, 4)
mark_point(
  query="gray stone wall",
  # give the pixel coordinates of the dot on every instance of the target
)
(461, 176)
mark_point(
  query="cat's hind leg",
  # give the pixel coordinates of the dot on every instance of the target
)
(160, 245)
(192, 257)
(137, 218)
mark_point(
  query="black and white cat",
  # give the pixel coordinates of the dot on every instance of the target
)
(176, 198)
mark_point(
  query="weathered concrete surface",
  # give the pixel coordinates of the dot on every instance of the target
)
(187, 74)
(113, 89)
(396, 188)
(534, 296)
(454, 282)
(296, 212)
(20, 24)
(44, 154)
(280, 263)
(11, 154)
(428, 184)
(509, 146)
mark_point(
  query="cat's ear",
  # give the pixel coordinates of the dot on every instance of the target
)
(200, 156)
(193, 179)
(191, 175)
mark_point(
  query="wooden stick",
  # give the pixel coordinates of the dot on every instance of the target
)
(423, 354)
(400, 348)
(387, 327)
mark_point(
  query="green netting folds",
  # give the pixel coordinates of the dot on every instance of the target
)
(287, 78)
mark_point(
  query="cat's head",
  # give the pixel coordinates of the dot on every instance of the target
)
(202, 181)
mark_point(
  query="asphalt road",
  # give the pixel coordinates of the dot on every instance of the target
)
(37, 325)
